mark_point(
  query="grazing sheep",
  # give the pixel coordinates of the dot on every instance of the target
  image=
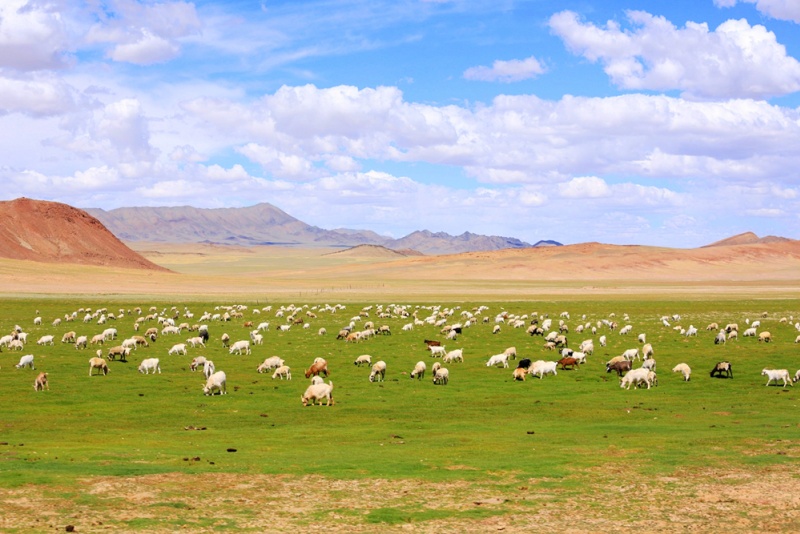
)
(766, 337)
(602, 341)
(239, 346)
(283, 372)
(378, 372)
(777, 374)
(322, 332)
(618, 366)
(647, 351)
(498, 359)
(722, 368)
(318, 367)
(122, 352)
(733, 334)
(46, 340)
(519, 374)
(649, 364)
(511, 352)
(25, 361)
(150, 364)
(419, 370)
(496, 329)
(179, 348)
(194, 341)
(99, 364)
(441, 376)
(197, 362)
(216, 382)
(683, 369)
(524, 363)
(69, 337)
(41, 382)
(541, 368)
(454, 356)
(273, 362)
(720, 338)
(226, 339)
(318, 392)
(439, 351)
(642, 338)
(750, 332)
(635, 377)
(363, 359)
(631, 354)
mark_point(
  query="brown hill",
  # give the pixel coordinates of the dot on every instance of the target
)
(747, 238)
(52, 232)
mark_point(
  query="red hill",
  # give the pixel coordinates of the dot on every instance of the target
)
(52, 232)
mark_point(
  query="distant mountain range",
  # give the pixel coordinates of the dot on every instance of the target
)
(264, 224)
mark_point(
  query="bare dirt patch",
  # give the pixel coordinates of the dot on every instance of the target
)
(601, 501)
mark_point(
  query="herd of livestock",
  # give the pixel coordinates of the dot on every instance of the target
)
(635, 366)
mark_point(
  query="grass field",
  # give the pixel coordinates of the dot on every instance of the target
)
(151, 453)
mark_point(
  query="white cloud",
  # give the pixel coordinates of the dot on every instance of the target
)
(514, 70)
(37, 94)
(777, 9)
(143, 33)
(33, 35)
(146, 50)
(585, 187)
(734, 61)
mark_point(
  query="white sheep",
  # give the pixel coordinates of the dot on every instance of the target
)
(419, 370)
(647, 351)
(216, 382)
(239, 346)
(46, 340)
(208, 368)
(318, 392)
(631, 354)
(363, 359)
(149, 364)
(179, 348)
(283, 372)
(378, 372)
(649, 364)
(683, 369)
(541, 368)
(777, 374)
(25, 361)
(437, 351)
(454, 356)
(197, 362)
(273, 362)
(602, 341)
(635, 377)
(498, 359)
(441, 376)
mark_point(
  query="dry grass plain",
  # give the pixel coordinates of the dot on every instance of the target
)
(314, 274)
(761, 499)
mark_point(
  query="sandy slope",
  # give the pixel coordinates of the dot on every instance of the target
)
(209, 271)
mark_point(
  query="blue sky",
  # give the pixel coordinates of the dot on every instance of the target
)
(660, 123)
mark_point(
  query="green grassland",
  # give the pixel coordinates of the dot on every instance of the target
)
(479, 427)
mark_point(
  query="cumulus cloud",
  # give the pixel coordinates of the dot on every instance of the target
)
(777, 9)
(735, 60)
(303, 133)
(143, 33)
(35, 94)
(33, 36)
(515, 70)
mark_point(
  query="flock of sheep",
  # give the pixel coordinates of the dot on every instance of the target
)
(448, 322)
